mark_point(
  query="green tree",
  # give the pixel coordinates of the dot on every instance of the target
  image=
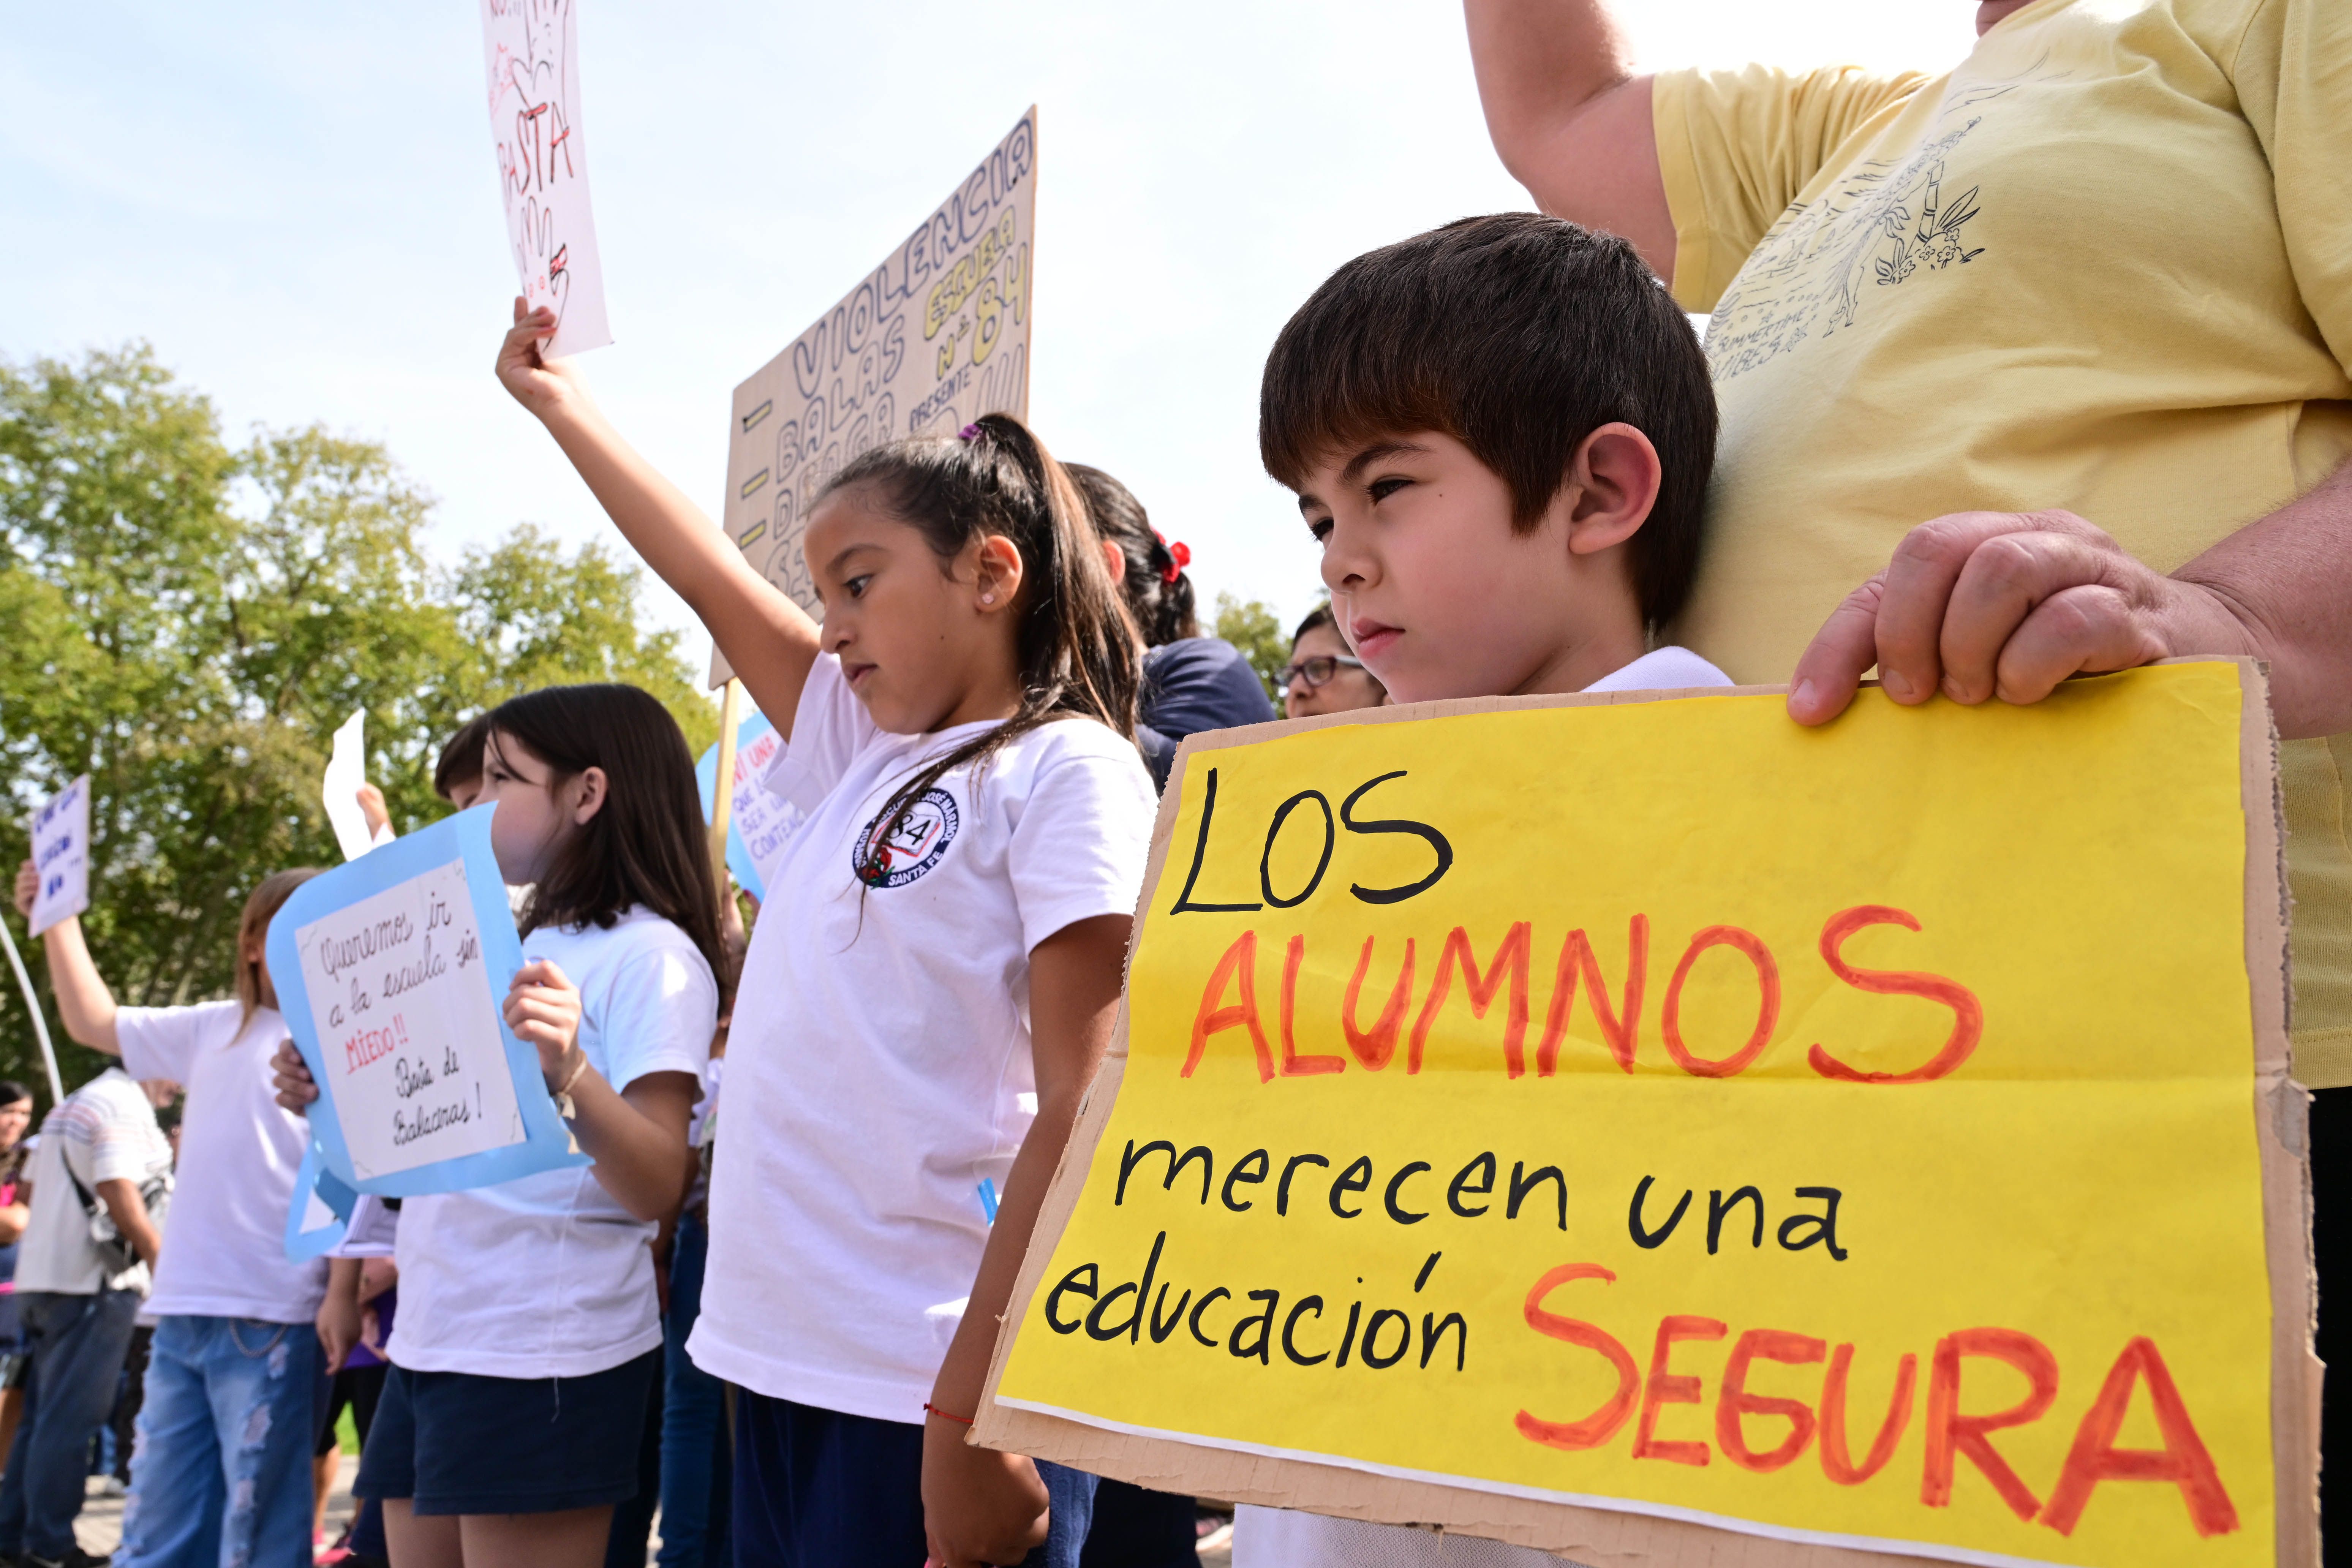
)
(190, 621)
(1250, 625)
(537, 617)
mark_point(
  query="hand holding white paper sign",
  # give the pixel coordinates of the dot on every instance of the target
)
(542, 1008)
(346, 772)
(61, 852)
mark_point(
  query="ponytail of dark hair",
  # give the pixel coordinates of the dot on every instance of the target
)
(646, 844)
(1159, 594)
(1075, 653)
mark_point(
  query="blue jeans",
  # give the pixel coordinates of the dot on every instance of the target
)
(694, 1460)
(77, 1343)
(221, 1474)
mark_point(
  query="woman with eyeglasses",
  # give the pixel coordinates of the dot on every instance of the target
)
(1323, 676)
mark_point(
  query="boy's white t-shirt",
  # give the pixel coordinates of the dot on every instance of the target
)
(1278, 1538)
(879, 1069)
(225, 1249)
(104, 1131)
(548, 1276)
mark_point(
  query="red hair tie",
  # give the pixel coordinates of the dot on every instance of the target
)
(1180, 556)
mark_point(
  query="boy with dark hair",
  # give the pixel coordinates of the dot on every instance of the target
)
(458, 777)
(1531, 382)
(1500, 433)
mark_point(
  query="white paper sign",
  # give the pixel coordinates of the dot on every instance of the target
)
(61, 851)
(401, 1000)
(936, 337)
(532, 50)
(346, 771)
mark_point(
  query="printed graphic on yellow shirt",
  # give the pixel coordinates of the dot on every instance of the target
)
(1879, 228)
(1846, 1135)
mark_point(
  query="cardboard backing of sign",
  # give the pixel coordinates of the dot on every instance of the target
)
(932, 339)
(1599, 1536)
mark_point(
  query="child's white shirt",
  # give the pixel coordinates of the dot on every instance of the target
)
(880, 1065)
(224, 1255)
(548, 1276)
(1277, 1538)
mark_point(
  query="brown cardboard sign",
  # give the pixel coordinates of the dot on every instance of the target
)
(1640, 1128)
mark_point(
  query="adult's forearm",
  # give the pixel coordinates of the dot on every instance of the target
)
(129, 1212)
(84, 1003)
(2287, 580)
(1570, 119)
(1538, 62)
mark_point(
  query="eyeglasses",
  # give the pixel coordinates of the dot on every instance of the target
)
(1316, 671)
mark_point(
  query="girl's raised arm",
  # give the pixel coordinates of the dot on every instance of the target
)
(770, 640)
(84, 1003)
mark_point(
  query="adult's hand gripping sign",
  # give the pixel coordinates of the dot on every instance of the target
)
(1611, 1123)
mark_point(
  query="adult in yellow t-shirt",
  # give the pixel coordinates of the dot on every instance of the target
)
(2033, 368)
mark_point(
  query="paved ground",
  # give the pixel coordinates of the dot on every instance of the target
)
(100, 1525)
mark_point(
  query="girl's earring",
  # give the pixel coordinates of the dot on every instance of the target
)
(988, 598)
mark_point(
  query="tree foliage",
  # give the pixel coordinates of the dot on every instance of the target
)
(189, 621)
(1250, 625)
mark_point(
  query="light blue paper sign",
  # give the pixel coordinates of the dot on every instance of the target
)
(761, 821)
(322, 1211)
(391, 972)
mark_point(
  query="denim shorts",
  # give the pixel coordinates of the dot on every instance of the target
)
(460, 1443)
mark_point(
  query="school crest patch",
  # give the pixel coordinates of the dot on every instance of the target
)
(911, 847)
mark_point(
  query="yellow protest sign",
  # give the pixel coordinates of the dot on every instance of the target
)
(1611, 1123)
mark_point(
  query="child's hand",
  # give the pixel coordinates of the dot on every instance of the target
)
(544, 1010)
(377, 1275)
(339, 1328)
(296, 1089)
(372, 1331)
(538, 383)
(979, 1506)
(372, 807)
(29, 886)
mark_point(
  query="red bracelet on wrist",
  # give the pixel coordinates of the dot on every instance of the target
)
(947, 1414)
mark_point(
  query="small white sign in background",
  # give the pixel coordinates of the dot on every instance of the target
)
(346, 771)
(61, 851)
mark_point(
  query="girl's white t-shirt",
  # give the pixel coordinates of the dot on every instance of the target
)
(224, 1234)
(1276, 1538)
(548, 1276)
(879, 1069)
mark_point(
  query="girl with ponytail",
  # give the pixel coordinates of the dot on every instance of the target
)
(933, 977)
(1190, 683)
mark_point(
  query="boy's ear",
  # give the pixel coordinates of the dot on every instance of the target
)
(1612, 483)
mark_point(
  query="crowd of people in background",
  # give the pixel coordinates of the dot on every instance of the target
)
(256, 1361)
(771, 1311)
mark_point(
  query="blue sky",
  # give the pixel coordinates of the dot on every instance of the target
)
(297, 206)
